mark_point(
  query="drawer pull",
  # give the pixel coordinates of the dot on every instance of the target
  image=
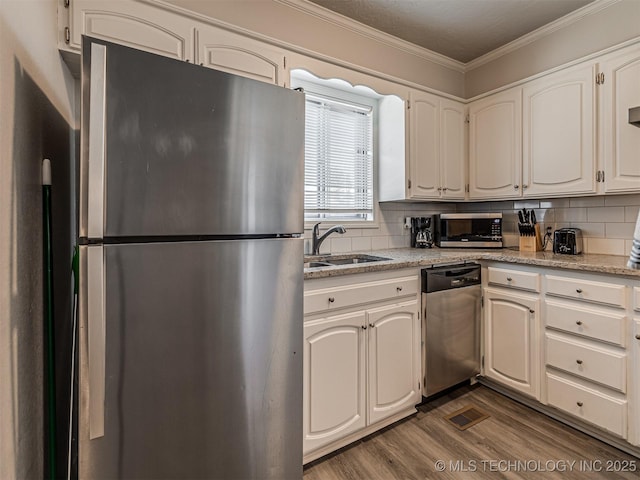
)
(509, 279)
(578, 290)
(579, 362)
(578, 322)
(331, 299)
(579, 404)
(399, 289)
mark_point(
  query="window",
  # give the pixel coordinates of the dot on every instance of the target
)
(338, 183)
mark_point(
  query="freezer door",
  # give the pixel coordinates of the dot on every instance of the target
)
(201, 368)
(171, 148)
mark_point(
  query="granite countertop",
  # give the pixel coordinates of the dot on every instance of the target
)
(416, 257)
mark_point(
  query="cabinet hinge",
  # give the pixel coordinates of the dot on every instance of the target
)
(284, 62)
(408, 183)
(66, 3)
(466, 119)
(466, 188)
(408, 105)
(67, 35)
(419, 386)
(482, 301)
(482, 361)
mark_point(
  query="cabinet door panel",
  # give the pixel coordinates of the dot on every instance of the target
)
(393, 355)
(239, 55)
(495, 146)
(559, 133)
(334, 379)
(452, 156)
(424, 141)
(634, 410)
(139, 26)
(621, 140)
(512, 345)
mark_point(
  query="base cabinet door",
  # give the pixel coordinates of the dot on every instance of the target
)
(334, 378)
(634, 414)
(394, 341)
(511, 340)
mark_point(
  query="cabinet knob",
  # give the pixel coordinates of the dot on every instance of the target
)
(638, 337)
(579, 404)
(525, 186)
(531, 310)
(444, 189)
(371, 325)
(579, 362)
(399, 289)
(578, 290)
(516, 187)
(578, 322)
(509, 279)
(439, 189)
(364, 327)
(331, 299)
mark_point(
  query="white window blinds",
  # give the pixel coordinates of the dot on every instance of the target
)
(338, 171)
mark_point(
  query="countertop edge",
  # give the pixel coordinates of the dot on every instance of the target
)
(416, 258)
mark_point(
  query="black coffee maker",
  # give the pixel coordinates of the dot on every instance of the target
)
(422, 232)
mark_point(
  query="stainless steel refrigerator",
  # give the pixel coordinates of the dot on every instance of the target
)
(191, 271)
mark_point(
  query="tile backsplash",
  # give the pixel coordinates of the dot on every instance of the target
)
(607, 222)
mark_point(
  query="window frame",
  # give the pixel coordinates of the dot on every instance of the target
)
(338, 90)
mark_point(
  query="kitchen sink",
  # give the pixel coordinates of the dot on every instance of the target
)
(335, 260)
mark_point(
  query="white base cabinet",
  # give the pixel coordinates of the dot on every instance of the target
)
(361, 357)
(511, 340)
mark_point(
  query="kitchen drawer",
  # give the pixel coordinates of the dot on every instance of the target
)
(587, 290)
(359, 293)
(636, 298)
(514, 279)
(598, 365)
(588, 404)
(588, 322)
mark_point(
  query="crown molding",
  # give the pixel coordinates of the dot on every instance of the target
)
(339, 20)
(539, 33)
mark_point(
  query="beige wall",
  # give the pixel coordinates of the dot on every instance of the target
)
(36, 115)
(290, 25)
(613, 25)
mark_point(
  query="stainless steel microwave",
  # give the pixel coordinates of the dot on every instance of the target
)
(469, 230)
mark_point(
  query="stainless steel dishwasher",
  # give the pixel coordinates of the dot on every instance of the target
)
(450, 326)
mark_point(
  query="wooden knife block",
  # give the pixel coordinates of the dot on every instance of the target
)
(531, 243)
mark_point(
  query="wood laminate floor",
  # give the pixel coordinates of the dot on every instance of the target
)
(514, 442)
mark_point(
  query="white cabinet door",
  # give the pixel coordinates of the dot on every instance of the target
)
(424, 137)
(511, 340)
(394, 368)
(239, 55)
(559, 133)
(621, 140)
(634, 412)
(452, 149)
(133, 24)
(495, 145)
(334, 378)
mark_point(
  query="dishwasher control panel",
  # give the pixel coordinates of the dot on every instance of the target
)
(450, 276)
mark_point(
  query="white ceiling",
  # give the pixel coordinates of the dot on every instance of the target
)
(460, 29)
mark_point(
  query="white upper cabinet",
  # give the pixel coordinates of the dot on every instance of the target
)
(495, 145)
(436, 147)
(239, 55)
(133, 24)
(559, 133)
(621, 140)
(424, 124)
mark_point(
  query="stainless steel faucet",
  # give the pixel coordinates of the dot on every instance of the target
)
(317, 241)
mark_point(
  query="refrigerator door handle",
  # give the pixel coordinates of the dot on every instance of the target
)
(96, 332)
(97, 116)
